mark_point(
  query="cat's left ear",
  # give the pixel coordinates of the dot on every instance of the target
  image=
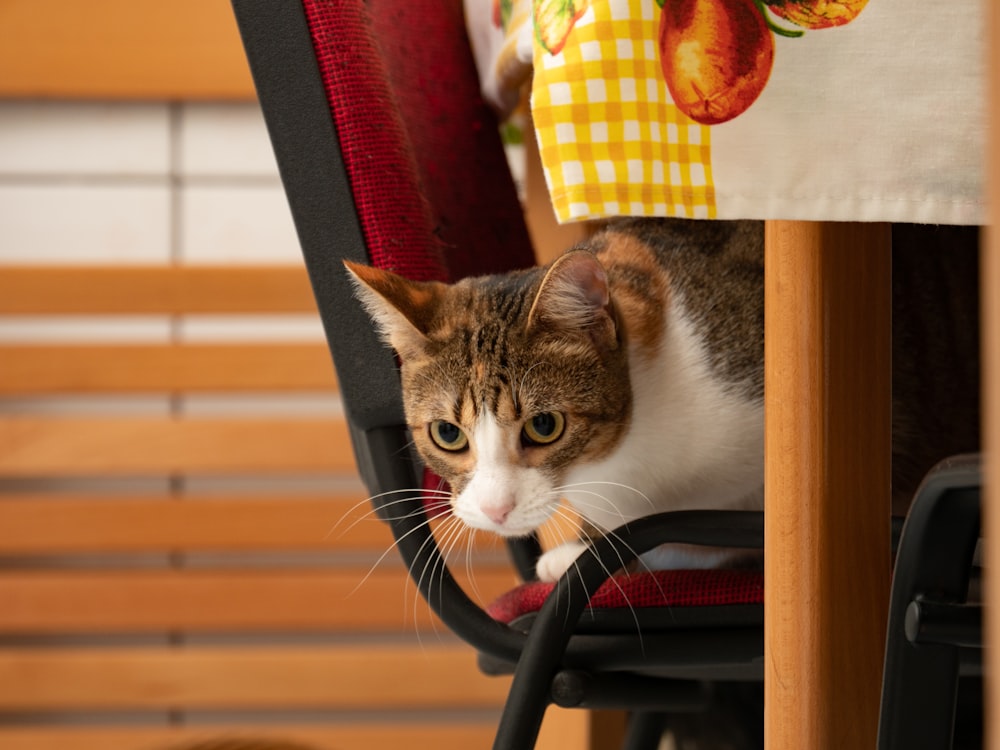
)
(402, 309)
(574, 296)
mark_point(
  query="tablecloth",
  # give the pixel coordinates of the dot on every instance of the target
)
(860, 110)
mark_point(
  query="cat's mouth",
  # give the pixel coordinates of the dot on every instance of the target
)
(508, 519)
(504, 528)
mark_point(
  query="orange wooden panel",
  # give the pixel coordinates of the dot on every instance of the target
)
(182, 49)
(154, 289)
(432, 733)
(46, 524)
(347, 677)
(827, 401)
(565, 728)
(33, 446)
(134, 368)
(345, 599)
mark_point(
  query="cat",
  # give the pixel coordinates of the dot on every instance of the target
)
(627, 377)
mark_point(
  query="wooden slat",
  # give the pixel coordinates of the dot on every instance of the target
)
(826, 482)
(44, 524)
(345, 677)
(134, 368)
(43, 290)
(183, 49)
(39, 446)
(353, 599)
(60, 524)
(428, 735)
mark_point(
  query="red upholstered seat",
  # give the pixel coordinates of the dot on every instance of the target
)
(662, 588)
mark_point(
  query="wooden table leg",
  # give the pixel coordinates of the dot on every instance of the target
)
(827, 507)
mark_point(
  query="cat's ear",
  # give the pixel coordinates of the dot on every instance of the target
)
(574, 296)
(402, 309)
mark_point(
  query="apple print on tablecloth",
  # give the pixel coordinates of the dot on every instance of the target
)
(716, 55)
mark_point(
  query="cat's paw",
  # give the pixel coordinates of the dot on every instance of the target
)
(552, 564)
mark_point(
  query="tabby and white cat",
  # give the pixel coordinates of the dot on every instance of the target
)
(625, 377)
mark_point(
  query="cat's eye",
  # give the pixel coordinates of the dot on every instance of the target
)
(543, 428)
(447, 436)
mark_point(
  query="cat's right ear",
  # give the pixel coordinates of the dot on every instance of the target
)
(402, 309)
(574, 296)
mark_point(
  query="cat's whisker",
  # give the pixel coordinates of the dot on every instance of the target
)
(607, 503)
(452, 534)
(372, 511)
(462, 547)
(568, 515)
(449, 535)
(621, 544)
(433, 560)
(444, 537)
(637, 558)
(470, 569)
(427, 505)
(388, 550)
(575, 485)
(611, 574)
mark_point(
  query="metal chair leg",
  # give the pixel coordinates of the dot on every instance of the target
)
(645, 730)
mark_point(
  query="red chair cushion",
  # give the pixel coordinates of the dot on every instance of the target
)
(431, 186)
(393, 215)
(662, 588)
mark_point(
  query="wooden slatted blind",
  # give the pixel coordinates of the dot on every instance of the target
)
(141, 290)
(122, 49)
(134, 368)
(301, 608)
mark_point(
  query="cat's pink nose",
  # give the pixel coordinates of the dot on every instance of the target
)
(497, 512)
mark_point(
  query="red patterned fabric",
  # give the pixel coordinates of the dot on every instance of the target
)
(394, 217)
(431, 186)
(662, 588)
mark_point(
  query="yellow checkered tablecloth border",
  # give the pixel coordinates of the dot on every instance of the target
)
(611, 140)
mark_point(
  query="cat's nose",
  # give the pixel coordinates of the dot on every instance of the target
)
(497, 512)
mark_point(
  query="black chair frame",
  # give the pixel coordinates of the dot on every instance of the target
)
(935, 632)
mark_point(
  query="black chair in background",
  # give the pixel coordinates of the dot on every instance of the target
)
(932, 685)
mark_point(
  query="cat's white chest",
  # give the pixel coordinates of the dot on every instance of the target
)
(693, 442)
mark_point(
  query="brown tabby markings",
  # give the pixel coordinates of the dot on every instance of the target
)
(640, 288)
(717, 270)
(473, 350)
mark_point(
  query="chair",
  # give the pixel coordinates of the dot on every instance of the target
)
(388, 156)
(933, 662)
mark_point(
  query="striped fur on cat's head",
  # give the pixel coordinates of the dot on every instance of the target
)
(508, 381)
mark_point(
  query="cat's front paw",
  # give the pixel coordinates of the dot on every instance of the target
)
(552, 564)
